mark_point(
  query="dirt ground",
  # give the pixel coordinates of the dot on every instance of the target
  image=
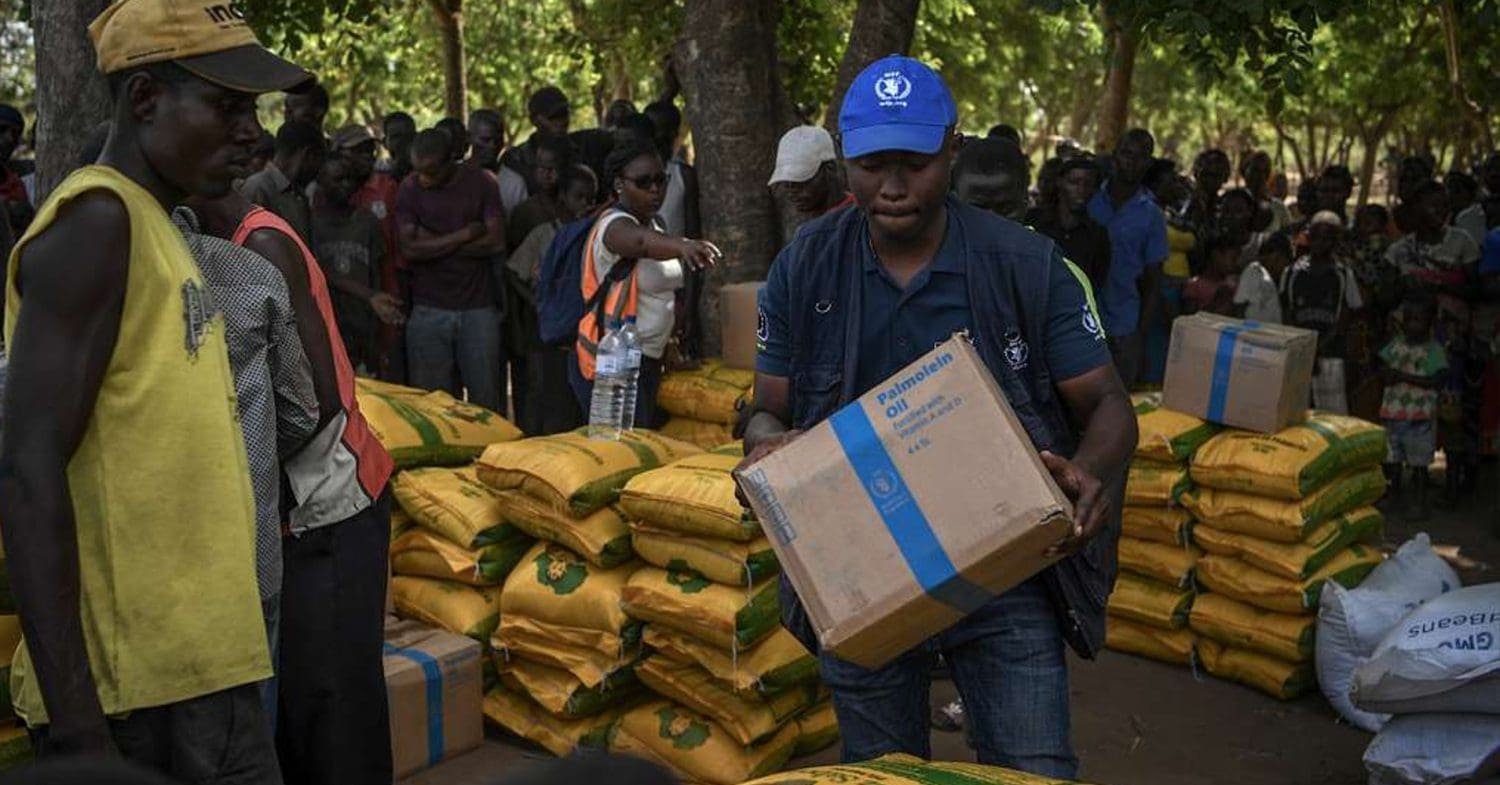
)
(1137, 722)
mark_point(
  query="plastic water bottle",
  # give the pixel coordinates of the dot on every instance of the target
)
(632, 340)
(611, 370)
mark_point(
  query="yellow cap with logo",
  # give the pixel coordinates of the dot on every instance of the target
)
(209, 38)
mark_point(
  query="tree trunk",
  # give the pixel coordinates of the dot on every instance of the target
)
(72, 99)
(1476, 126)
(881, 27)
(1372, 139)
(1123, 39)
(726, 59)
(450, 21)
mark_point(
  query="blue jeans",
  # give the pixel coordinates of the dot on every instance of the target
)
(1008, 663)
(453, 350)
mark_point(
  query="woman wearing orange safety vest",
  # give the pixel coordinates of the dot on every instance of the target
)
(640, 268)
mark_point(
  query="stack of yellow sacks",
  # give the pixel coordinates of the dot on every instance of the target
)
(450, 546)
(566, 652)
(739, 695)
(15, 746)
(451, 550)
(704, 403)
(1148, 610)
(1278, 515)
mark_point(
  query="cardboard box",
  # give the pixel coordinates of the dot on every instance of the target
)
(433, 684)
(1245, 374)
(739, 316)
(909, 508)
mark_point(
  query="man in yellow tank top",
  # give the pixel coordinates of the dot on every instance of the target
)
(124, 484)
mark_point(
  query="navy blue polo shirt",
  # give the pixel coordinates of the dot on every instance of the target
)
(897, 325)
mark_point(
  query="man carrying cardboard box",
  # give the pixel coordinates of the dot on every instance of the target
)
(862, 293)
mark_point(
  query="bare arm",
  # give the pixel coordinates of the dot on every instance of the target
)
(769, 428)
(419, 246)
(633, 241)
(316, 344)
(1097, 401)
(491, 243)
(74, 278)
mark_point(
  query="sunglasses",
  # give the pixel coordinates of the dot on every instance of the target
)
(648, 181)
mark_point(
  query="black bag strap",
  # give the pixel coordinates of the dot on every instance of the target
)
(621, 270)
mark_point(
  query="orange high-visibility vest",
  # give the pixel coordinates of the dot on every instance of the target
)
(618, 302)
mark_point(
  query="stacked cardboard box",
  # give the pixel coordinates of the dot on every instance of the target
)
(450, 551)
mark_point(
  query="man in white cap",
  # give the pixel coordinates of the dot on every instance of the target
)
(130, 525)
(807, 172)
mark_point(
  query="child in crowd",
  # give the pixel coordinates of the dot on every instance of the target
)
(1415, 364)
(1213, 290)
(1257, 297)
(1319, 292)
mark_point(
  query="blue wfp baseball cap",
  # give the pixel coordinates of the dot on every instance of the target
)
(896, 103)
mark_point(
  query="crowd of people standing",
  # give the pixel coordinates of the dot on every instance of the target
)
(1157, 244)
(304, 258)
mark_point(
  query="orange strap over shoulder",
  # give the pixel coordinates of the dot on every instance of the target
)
(617, 303)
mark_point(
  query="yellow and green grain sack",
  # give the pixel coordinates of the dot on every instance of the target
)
(730, 617)
(1170, 525)
(523, 717)
(817, 729)
(575, 650)
(1295, 560)
(708, 435)
(562, 693)
(601, 537)
(1284, 636)
(454, 504)
(695, 496)
(1167, 436)
(1241, 581)
(1169, 564)
(555, 604)
(423, 553)
(1277, 678)
(746, 716)
(1152, 484)
(775, 664)
(1292, 463)
(1284, 520)
(456, 607)
(1150, 602)
(573, 473)
(10, 639)
(1169, 646)
(907, 770)
(711, 393)
(719, 560)
(696, 748)
(429, 429)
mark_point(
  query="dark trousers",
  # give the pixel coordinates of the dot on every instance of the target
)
(551, 407)
(217, 739)
(647, 385)
(334, 725)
